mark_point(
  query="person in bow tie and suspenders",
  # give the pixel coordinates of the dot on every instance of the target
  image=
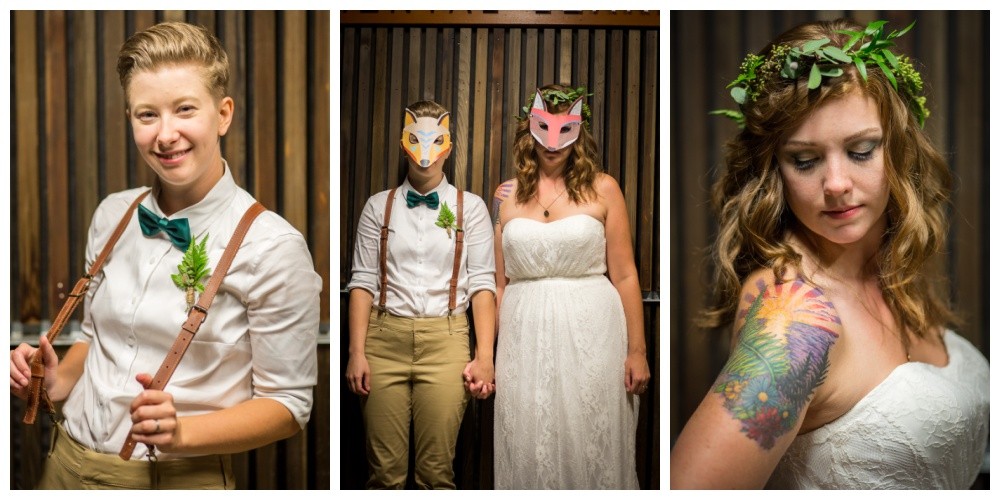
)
(195, 254)
(423, 255)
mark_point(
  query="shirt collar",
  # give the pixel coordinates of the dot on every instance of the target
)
(440, 189)
(201, 214)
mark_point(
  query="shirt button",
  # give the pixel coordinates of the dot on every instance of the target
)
(130, 341)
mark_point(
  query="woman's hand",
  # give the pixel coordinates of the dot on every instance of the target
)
(20, 367)
(479, 378)
(359, 375)
(154, 418)
(636, 373)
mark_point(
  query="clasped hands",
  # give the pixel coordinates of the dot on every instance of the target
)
(478, 378)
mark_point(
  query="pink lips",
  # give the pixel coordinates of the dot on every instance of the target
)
(172, 158)
(844, 213)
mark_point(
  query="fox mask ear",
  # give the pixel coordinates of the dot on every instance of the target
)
(445, 120)
(538, 103)
(410, 118)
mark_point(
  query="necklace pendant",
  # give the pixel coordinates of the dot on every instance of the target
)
(546, 212)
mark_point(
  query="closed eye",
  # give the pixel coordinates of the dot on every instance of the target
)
(866, 151)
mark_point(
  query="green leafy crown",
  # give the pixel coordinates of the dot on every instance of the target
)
(822, 59)
(556, 97)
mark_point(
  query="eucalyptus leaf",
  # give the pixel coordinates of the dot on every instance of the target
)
(832, 72)
(860, 64)
(739, 95)
(891, 58)
(874, 26)
(812, 45)
(837, 54)
(855, 36)
(905, 30)
(814, 77)
(888, 74)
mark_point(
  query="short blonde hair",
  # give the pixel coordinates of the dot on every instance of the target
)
(175, 43)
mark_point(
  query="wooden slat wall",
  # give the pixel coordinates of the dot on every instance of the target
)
(483, 74)
(64, 162)
(706, 50)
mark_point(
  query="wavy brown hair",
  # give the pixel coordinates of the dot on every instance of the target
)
(755, 222)
(582, 166)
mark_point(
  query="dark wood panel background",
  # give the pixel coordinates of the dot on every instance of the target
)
(482, 66)
(72, 146)
(706, 50)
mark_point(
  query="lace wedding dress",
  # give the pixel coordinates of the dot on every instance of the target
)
(923, 427)
(562, 417)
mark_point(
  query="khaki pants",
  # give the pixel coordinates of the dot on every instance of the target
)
(416, 372)
(72, 466)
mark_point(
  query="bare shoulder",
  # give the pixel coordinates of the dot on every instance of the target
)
(785, 331)
(606, 186)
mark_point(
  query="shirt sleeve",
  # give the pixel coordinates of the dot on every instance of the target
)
(283, 312)
(364, 268)
(480, 263)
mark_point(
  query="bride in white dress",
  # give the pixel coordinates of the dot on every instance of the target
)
(571, 352)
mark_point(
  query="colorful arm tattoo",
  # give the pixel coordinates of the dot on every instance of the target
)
(501, 194)
(780, 359)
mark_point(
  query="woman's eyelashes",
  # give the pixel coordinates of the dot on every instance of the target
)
(859, 153)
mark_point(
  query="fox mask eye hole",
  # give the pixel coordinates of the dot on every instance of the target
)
(439, 140)
(413, 139)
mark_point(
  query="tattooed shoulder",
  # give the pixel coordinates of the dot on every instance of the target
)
(502, 193)
(781, 356)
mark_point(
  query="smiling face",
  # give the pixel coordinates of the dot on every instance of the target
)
(833, 171)
(176, 125)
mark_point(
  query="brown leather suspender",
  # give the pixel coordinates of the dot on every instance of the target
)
(197, 314)
(459, 243)
(37, 389)
(384, 250)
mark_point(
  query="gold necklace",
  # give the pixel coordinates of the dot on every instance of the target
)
(545, 209)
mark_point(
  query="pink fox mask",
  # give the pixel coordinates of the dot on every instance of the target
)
(555, 132)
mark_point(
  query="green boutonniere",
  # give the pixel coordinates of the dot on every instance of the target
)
(446, 219)
(192, 270)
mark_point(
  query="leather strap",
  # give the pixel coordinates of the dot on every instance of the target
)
(76, 295)
(459, 243)
(197, 314)
(383, 250)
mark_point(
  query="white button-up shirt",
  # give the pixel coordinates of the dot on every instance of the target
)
(421, 255)
(258, 341)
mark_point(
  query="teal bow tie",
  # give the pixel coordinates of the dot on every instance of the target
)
(178, 229)
(413, 199)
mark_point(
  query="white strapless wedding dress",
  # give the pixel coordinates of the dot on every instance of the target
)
(562, 417)
(923, 427)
